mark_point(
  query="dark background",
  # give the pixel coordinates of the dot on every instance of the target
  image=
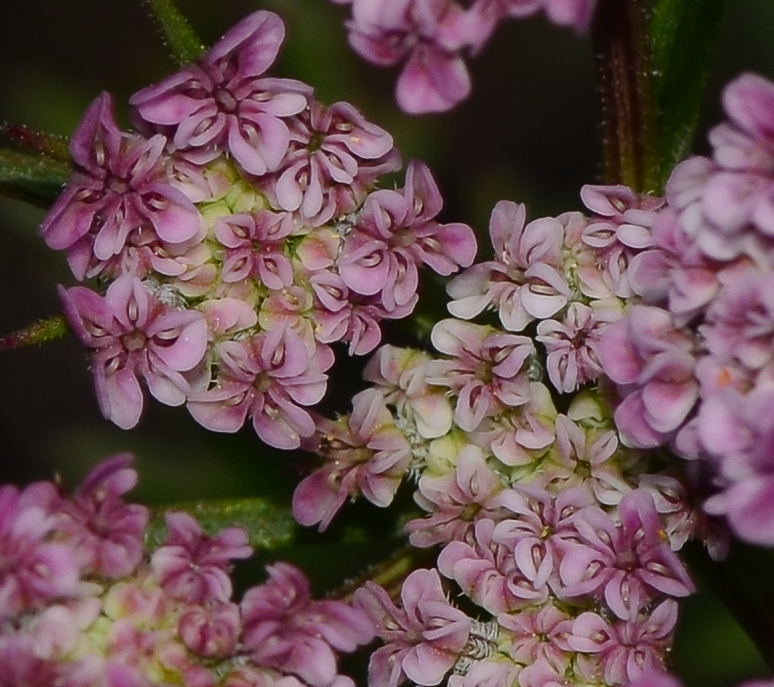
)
(529, 133)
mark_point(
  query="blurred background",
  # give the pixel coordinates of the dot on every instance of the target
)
(529, 133)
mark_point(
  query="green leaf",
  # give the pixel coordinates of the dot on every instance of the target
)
(34, 179)
(18, 168)
(683, 34)
(268, 525)
(176, 32)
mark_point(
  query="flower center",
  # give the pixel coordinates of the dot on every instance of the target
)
(226, 101)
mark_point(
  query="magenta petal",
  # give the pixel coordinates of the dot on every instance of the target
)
(260, 145)
(219, 415)
(617, 355)
(749, 101)
(188, 349)
(632, 421)
(751, 510)
(316, 500)
(432, 81)
(169, 390)
(426, 665)
(120, 396)
(175, 218)
(255, 41)
(668, 404)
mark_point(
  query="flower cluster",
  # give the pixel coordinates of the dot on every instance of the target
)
(82, 604)
(240, 233)
(563, 538)
(433, 37)
(694, 362)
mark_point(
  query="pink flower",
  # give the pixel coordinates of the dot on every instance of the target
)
(131, 334)
(365, 454)
(402, 376)
(105, 533)
(385, 32)
(455, 500)
(626, 650)
(255, 247)
(212, 630)
(526, 279)
(587, 456)
(487, 570)
(223, 102)
(520, 436)
(119, 193)
(423, 639)
(486, 371)
(737, 431)
(535, 525)
(285, 629)
(335, 156)
(192, 566)
(268, 377)
(572, 343)
(619, 229)
(627, 564)
(539, 642)
(674, 269)
(33, 569)
(395, 234)
(652, 362)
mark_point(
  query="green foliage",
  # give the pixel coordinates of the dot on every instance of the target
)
(183, 44)
(268, 525)
(36, 179)
(683, 35)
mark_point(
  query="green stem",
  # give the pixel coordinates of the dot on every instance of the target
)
(390, 573)
(176, 32)
(622, 61)
(40, 332)
(52, 145)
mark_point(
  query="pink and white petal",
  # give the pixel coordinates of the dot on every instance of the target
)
(432, 81)
(120, 395)
(187, 350)
(221, 410)
(258, 145)
(255, 41)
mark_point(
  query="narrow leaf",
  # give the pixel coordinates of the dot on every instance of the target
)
(176, 32)
(38, 333)
(51, 145)
(268, 525)
(38, 169)
(683, 34)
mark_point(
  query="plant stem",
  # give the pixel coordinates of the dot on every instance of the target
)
(177, 33)
(622, 61)
(389, 573)
(38, 333)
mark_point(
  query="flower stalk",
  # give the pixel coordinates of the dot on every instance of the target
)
(184, 45)
(39, 332)
(628, 116)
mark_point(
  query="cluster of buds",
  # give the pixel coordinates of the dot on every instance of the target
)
(238, 233)
(83, 604)
(434, 37)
